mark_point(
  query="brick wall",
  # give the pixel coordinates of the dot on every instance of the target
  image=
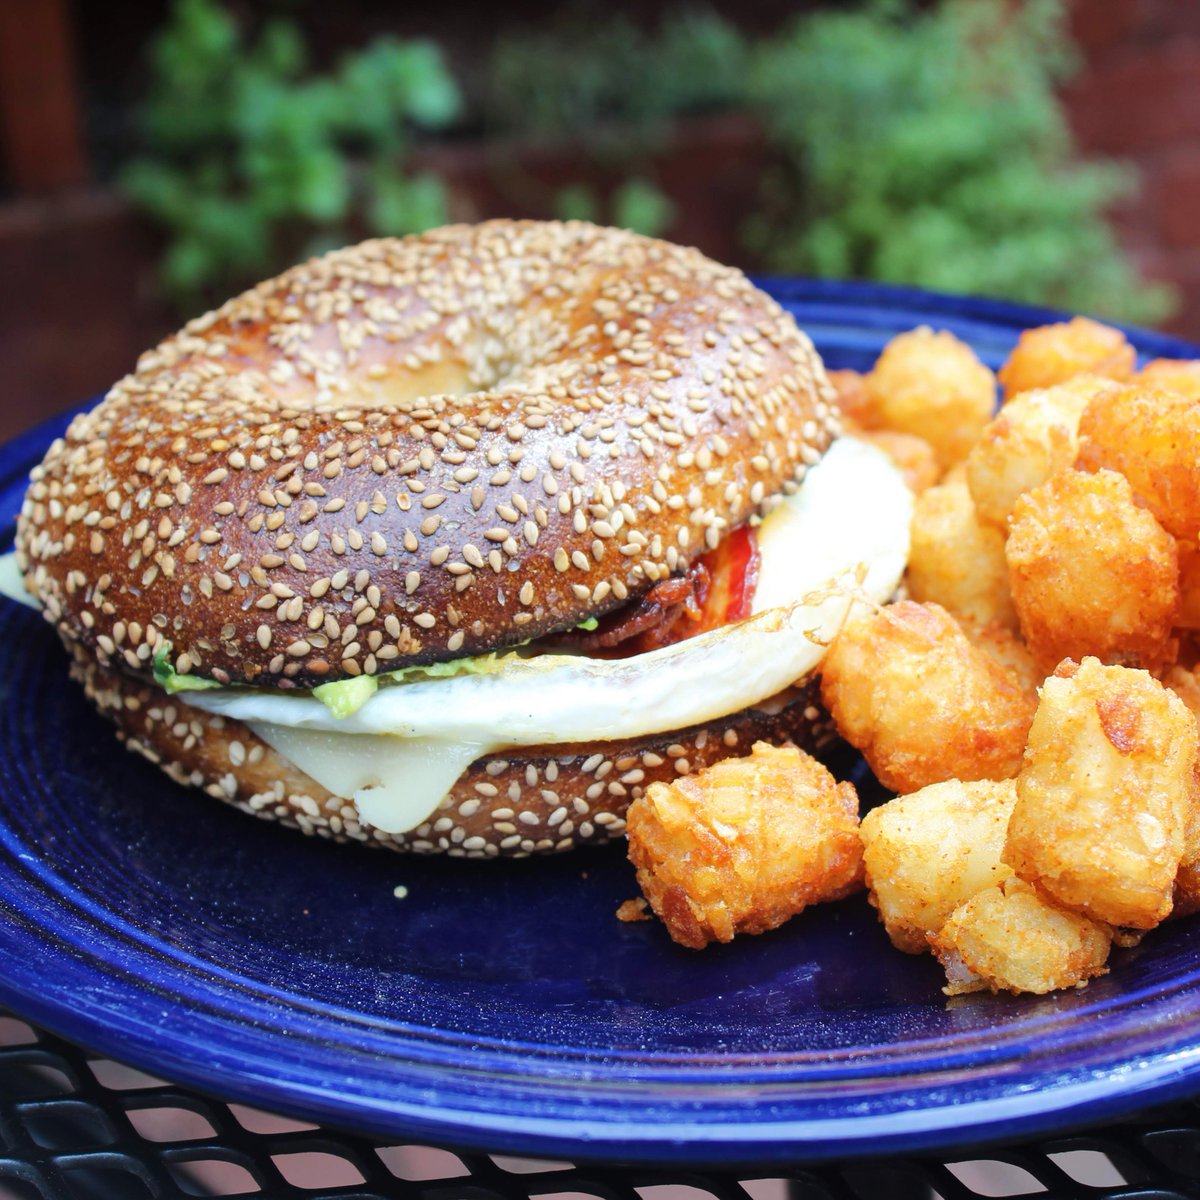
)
(1138, 98)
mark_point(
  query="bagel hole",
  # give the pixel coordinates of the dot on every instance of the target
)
(404, 387)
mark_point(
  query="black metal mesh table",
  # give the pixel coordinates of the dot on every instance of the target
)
(78, 1127)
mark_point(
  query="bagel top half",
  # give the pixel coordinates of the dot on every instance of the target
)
(419, 449)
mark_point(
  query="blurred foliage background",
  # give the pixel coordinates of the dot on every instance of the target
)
(902, 142)
(251, 158)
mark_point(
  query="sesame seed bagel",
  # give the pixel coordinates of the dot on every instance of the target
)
(530, 801)
(419, 449)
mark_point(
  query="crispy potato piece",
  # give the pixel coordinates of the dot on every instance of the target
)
(1001, 644)
(1092, 573)
(1186, 896)
(1052, 354)
(1174, 374)
(1185, 684)
(1187, 882)
(1188, 616)
(955, 561)
(1008, 938)
(906, 687)
(636, 909)
(744, 844)
(1105, 795)
(857, 410)
(932, 385)
(1189, 650)
(1034, 435)
(926, 853)
(1152, 437)
(913, 456)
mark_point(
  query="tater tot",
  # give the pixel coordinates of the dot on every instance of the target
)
(1185, 684)
(1052, 354)
(912, 456)
(955, 561)
(1105, 794)
(744, 844)
(1152, 437)
(906, 687)
(1009, 939)
(1174, 374)
(1001, 644)
(1186, 896)
(1034, 435)
(932, 385)
(857, 410)
(926, 853)
(1188, 616)
(1092, 573)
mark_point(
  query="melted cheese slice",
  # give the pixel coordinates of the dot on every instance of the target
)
(391, 780)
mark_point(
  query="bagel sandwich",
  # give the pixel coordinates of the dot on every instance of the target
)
(456, 542)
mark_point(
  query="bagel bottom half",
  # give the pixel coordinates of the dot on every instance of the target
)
(532, 800)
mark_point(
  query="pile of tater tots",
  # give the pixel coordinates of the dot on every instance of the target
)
(1032, 698)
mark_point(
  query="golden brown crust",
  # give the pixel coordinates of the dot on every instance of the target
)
(1052, 354)
(415, 449)
(908, 689)
(745, 845)
(530, 800)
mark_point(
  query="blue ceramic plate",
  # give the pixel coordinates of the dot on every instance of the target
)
(501, 1005)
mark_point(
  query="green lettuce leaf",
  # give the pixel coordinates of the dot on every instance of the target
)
(344, 697)
(170, 680)
(480, 664)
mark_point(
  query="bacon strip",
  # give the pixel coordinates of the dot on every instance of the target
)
(717, 589)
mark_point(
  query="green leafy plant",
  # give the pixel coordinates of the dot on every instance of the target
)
(249, 160)
(595, 69)
(625, 85)
(930, 148)
(636, 204)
